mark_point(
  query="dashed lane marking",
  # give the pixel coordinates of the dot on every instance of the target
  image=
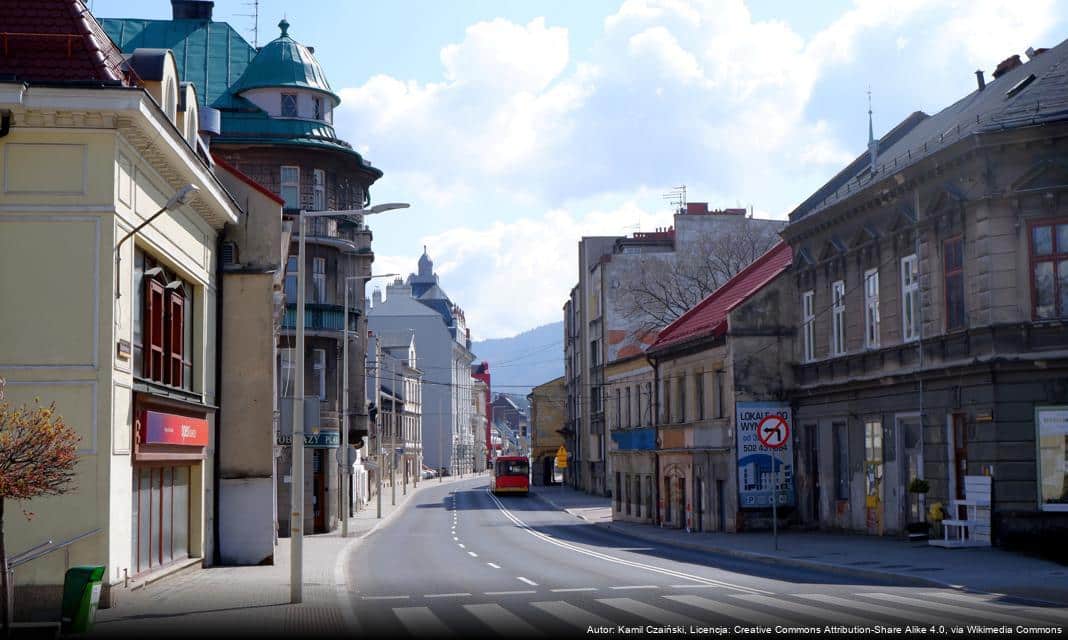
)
(527, 580)
(472, 554)
(384, 597)
(495, 566)
(635, 586)
(573, 589)
(508, 593)
(447, 595)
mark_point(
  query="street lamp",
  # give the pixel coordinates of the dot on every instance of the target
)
(347, 480)
(296, 516)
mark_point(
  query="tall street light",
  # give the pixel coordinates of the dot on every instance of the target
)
(296, 517)
(347, 479)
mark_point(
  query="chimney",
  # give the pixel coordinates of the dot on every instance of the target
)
(696, 208)
(980, 79)
(192, 9)
(1007, 65)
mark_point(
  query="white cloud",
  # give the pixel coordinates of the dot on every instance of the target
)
(741, 110)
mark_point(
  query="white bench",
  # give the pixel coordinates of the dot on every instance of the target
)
(972, 530)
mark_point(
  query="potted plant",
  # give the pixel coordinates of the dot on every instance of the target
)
(918, 488)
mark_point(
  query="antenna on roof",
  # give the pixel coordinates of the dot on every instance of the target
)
(873, 145)
(677, 197)
(255, 15)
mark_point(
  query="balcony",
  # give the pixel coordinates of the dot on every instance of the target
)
(320, 317)
(341, 233)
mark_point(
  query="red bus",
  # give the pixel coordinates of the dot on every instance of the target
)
(511, 474)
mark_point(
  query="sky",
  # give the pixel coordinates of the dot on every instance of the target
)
(515, 127)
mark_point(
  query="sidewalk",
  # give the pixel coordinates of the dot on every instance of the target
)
(255, 600)
(989, 569)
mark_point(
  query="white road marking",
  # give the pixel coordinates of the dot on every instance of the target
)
(461, 545)
(569, 590)
(856, 605)
(943, 608)
(421, 622)
(572, 615)
(636, 586)
(495, 566)
(649, 612)
(692, 586)
(384, 597)
(638, 565)
(738, 613)
(447, 595)
(528, 581)
(818, 613)
(455, 539)
(508, 593)
(1058, 613)
(501, 620)
(472, 554)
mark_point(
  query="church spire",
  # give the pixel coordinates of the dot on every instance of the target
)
(873, 144)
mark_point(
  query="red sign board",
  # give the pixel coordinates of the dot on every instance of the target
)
(168, 428)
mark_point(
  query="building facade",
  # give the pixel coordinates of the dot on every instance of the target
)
(547, 403)
(629, 388)
(931, 341)
(120, 328)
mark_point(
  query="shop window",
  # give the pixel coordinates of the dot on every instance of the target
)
(873, 455)
(163, 325)
(808, 326)
(289, 177)
(289, 105)
(1049, 271)
(910, 299)
(1052, 425)
(838, 317)
(160, 516)
(953, 263)
(871, 309)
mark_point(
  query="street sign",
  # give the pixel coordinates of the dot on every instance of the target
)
(561, 457)
(773, 432)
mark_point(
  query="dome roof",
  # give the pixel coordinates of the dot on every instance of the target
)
(284, 62)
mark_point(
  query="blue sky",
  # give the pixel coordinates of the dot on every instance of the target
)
(515, 127)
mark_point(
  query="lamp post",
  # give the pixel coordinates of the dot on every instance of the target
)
(347, 476)
(296, 517)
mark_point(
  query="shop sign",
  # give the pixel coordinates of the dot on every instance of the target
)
(759, 467)
(321, 440)
(168, 428)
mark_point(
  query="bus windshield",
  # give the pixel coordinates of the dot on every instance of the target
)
(512, 468)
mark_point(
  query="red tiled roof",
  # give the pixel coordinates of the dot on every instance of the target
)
(709, 316)
(55, 41)
(247, 179)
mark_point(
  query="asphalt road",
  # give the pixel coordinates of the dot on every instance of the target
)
(459, 561)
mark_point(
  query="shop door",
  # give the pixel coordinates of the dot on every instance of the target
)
(873, 473)
(911, 437)
(959, 450)
(318, 491)
(699, 501)
(160, 516)
(812, 468)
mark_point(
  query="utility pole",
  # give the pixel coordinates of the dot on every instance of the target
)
(378, 426)
(441, 446)
(296, 486)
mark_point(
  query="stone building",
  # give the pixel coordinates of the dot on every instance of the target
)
(268, 112)
(931, 278)
(547, 403)
(718, 370)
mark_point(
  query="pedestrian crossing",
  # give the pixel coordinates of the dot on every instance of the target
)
(581, 611)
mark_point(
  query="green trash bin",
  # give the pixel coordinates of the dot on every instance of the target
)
(81, 594)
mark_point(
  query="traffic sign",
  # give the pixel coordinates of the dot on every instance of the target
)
(561, 457)
(340, 455)
(773, 432)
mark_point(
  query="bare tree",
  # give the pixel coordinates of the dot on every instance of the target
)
(38, 452)
(657, 288)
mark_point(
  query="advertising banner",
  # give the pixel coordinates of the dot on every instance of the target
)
(759, 467)
(168, 428)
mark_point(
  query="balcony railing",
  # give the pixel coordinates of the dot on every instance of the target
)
(320, 317)
(330, 228)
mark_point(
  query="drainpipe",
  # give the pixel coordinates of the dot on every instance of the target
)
(216, 551)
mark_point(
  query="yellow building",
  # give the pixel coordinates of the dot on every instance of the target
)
(109, 274)
(547, 403)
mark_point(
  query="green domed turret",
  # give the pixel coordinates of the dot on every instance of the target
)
(284, 63)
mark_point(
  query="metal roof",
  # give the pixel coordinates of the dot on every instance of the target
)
(284, 62)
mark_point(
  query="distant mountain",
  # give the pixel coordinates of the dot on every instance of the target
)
(519, 363)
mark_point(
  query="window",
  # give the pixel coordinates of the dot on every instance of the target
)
(910, 299)
(290, 179)
(837, 318)
(871, 308)
(953, 262)
(681, 382)
(319, 280)
(319, 369)
(700, 393)
(619, 409)
(667, 395)
(629, 422)
(873, 455)
(808, 327)
(1049, 271)
(318, 190)
(287, 372)
(289, 105)
(719, 394)
(163, 325)
(291, 280)
(649, 401)
(1052, 425)
(841, 460)
(317, 108)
